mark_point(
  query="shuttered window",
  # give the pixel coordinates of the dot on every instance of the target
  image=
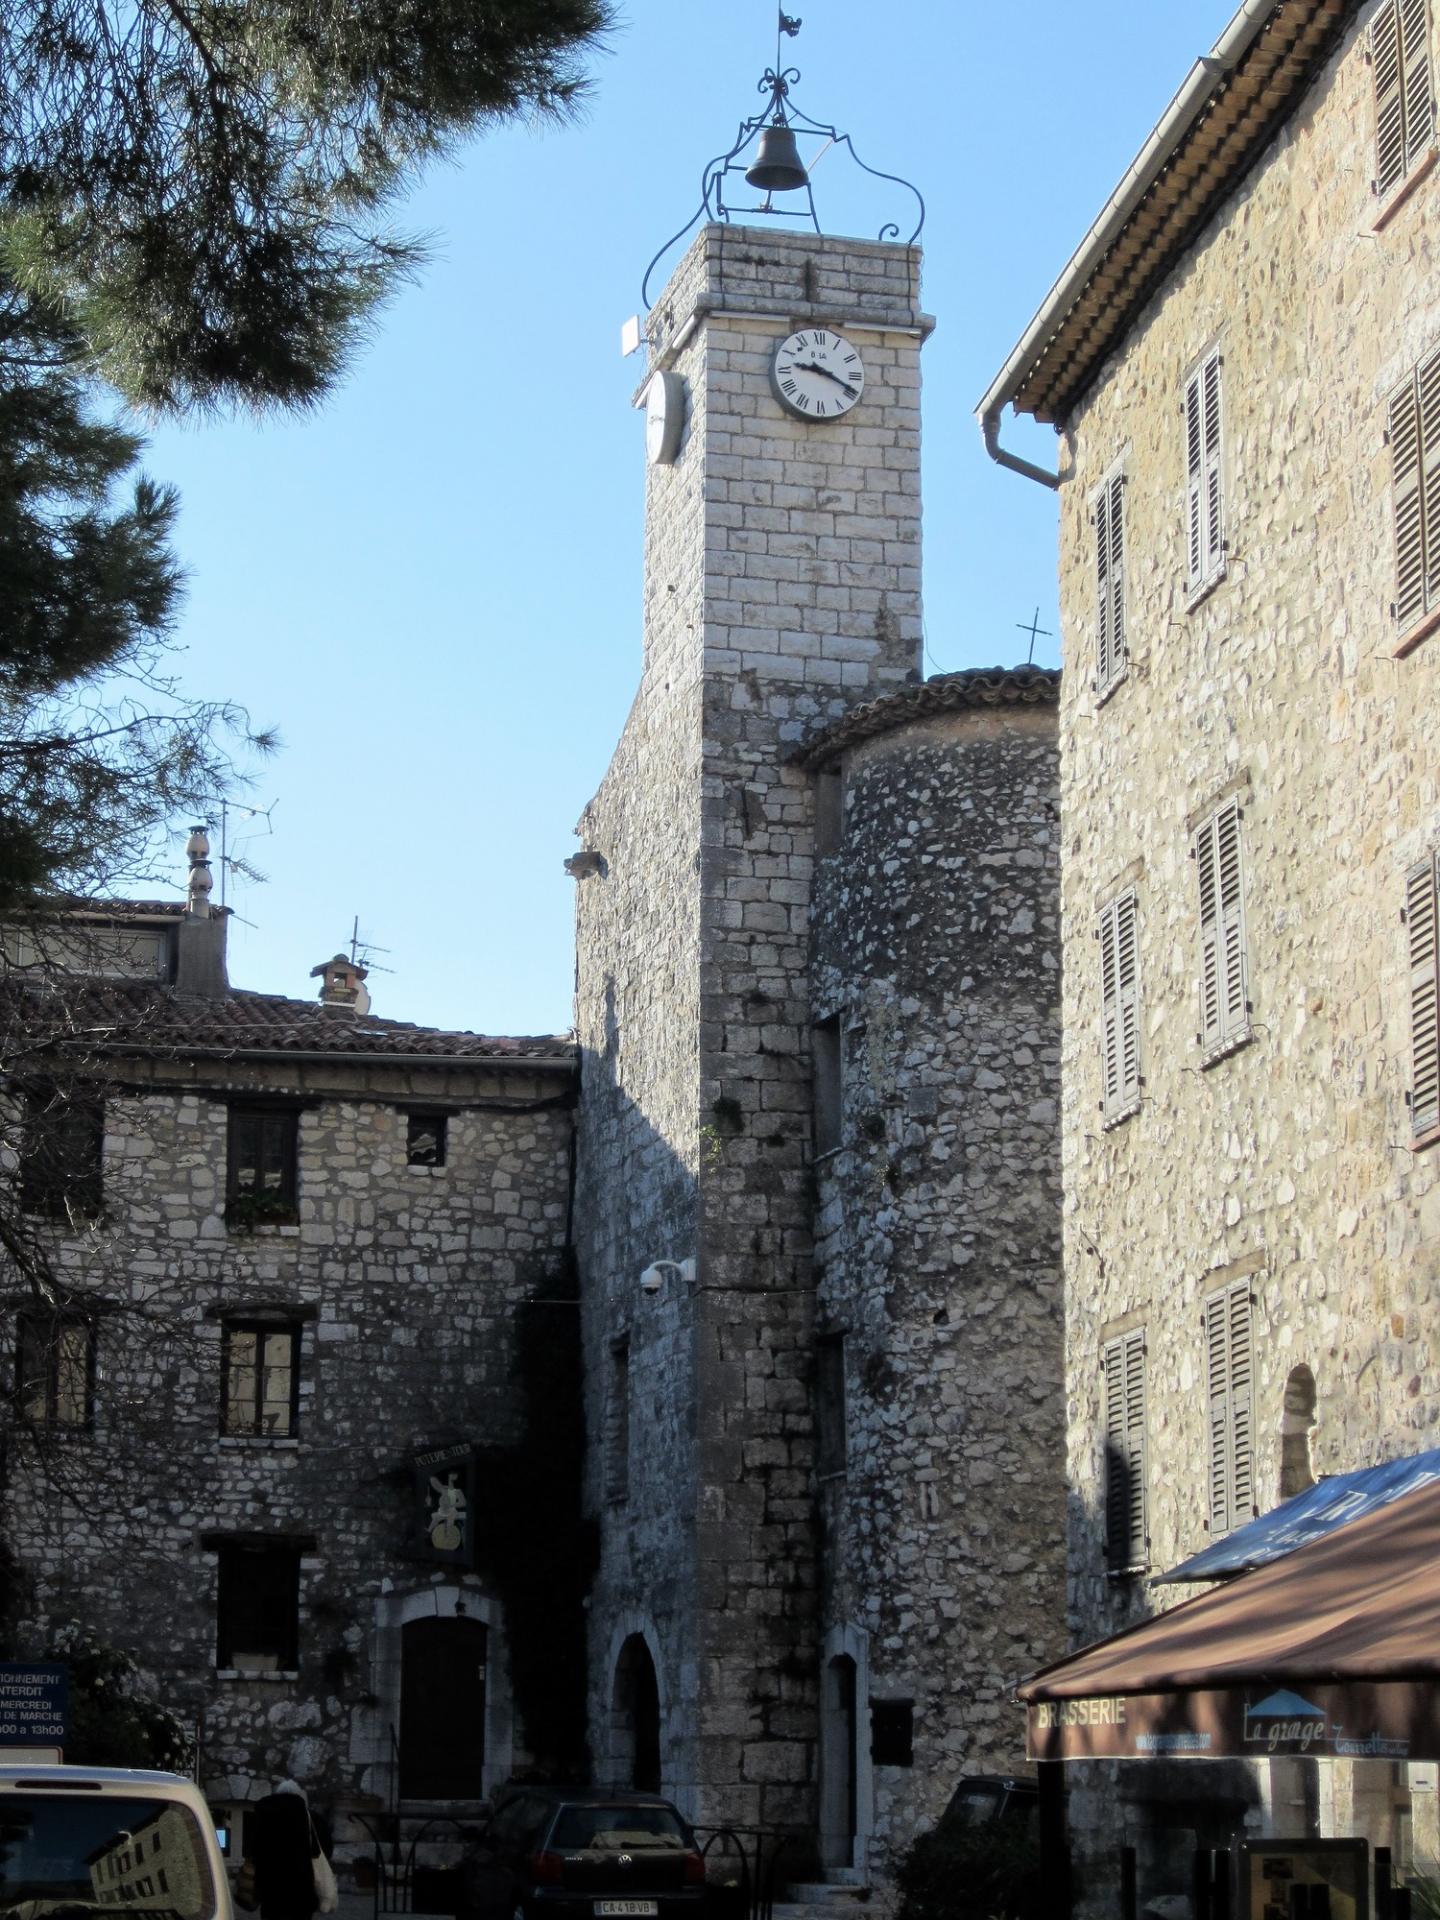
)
(1422, 920)
(1404, 92)
(1204, 476)
(1120, 1009)
(1224, 965)
(1108, 515)
(1230, 1374)
(1126, 1521)
(1414, 429)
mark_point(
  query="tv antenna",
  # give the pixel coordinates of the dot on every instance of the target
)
(234, 862)
(361, 950)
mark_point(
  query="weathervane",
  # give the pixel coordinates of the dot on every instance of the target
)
(777, 166)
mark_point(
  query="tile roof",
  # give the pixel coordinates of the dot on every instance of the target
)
(143, 1018)
(972, 687)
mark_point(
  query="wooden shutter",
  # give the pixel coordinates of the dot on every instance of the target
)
(1419, 100)
(1110, 582)
(1389, 98)
(1229, 1361)
(1421, 926)
(1126, 1541)
(1224, 968)
(1414, 428)
(1204, 432)
(1404, 424)
(1120, 1005)
(1427, 394)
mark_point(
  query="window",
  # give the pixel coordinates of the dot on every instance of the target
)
(617, 1425)
(425, 1139)
(260, 1367)
(261, 1184)
(831, 1438)
(892, 1733)
(1108, 515)
(258, 1606)
(1127, 1539)
(829, 811)
(62, 1148)
(1204, 479)
(1414, 433)
(1120, 1009)
(1422, 920)
(829, 1089)
(1404, 98)
(1224, 967)
(55, 1369)
(1230, 1370)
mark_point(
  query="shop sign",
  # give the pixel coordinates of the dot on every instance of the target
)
(1378, 1720)
(445, 1500)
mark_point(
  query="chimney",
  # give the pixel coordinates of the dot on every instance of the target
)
(200, 936)
(342, 986)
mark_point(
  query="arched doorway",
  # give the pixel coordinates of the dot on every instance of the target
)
(442, 1708)
(635, 1716)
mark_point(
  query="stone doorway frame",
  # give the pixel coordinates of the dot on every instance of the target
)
(371, 1727)
(845, 1852)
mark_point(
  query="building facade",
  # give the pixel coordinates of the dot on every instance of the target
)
(1243, 364)
(271, 1350)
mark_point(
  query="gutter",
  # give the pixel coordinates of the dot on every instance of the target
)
(1184, 110)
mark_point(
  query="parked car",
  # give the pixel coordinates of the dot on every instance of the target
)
(981, 1798)
(579, 1853)
(77, 1841)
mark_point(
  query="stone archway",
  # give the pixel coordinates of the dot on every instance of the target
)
(635, 1717)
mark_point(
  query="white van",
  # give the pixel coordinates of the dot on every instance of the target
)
(83, 1841)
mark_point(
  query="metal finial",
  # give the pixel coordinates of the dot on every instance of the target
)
(201, 880)
(777, 166)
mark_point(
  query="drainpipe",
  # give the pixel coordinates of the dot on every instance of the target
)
(1199, 86)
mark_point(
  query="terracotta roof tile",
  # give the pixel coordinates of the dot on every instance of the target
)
(947, 693)
(141, 1017)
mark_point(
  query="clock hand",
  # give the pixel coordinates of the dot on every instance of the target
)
(814, 366)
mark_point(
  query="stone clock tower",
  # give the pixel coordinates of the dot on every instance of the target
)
(782, 588)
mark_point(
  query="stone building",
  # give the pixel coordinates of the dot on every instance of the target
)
(816, 1009)
(1242, 363)
(296, 1255)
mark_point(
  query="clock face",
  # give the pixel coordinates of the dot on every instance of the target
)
(664, 418)
(817, 374)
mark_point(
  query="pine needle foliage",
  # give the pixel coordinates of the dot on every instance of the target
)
(200, 184)
(98, 750)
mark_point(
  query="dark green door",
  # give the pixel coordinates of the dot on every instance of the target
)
(442, 1709)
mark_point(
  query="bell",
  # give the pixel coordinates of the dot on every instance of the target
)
(776, 167)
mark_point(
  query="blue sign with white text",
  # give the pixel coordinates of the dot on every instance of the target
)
(34, 1705)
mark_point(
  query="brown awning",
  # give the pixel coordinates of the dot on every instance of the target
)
(1333, 1650)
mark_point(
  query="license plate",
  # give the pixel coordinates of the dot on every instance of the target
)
(627, 1909)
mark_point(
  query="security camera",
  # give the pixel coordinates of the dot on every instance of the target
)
(659, 1271)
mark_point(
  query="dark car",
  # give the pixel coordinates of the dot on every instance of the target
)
(580, 1853)
(981, 1798)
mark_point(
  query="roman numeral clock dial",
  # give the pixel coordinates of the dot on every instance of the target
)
(817, 374)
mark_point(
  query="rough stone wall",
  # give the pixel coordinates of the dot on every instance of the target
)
(936, 947)
(782, 585)
(406, 1282)
(1287, 1161)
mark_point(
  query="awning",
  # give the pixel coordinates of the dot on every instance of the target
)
(1333, 1651)
(1333, 1502)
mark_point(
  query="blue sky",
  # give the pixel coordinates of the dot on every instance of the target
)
(432, 586)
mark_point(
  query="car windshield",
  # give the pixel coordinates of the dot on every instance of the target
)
(72, 1854)
(604, 1827)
